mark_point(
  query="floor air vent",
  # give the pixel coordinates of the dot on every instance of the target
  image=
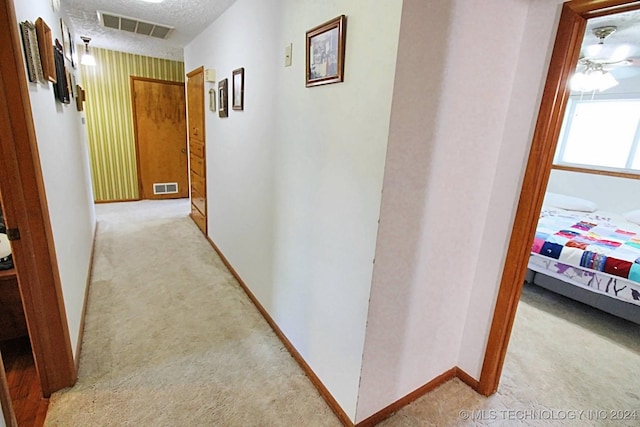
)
(165, 188)
(133, 25)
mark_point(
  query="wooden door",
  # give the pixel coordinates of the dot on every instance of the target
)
(159, 119)
(197, 157)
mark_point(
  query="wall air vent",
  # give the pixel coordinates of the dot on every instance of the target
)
(165, 188)
(133, 25)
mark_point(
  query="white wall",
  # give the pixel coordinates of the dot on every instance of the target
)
(610, 193)
(442, 161)
(65, 169)
(465, 103)
(476, 152)
(295, 180)
(534, 50)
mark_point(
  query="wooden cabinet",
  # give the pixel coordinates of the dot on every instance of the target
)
(197, 149)
(12, 320)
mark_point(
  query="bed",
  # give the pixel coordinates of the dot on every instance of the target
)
(592, 257)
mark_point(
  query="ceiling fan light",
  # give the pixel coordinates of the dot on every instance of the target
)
(579, 82)
(88, 60)
(604, 80)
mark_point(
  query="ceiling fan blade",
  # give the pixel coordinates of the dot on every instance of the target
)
(608, 52)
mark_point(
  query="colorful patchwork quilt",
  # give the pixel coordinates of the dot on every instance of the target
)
(594, 241)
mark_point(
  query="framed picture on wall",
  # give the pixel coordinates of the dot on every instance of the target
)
(223, 102)
(45, 47)
(212, 99)
(238, 89)
(66, 40)
(325, 48)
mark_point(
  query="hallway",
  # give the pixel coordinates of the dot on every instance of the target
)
(172, 339)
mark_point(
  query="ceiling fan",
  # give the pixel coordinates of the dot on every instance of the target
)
(593, 71)
(607, 56)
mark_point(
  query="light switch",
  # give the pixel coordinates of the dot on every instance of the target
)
(287, 55)
(210, 75)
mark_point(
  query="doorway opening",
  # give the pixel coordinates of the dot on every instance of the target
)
(566, 52)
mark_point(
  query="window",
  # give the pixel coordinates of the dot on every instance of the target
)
(601, 134)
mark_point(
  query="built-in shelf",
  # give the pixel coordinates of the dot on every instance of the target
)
(8, 274)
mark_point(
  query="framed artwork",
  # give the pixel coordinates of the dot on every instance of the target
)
(223, 102)
(80, 98)
(325, 48)
(212, 99)
(238, 89)
(45, 48)
(72, 50)
(31, 52)
(66, 40)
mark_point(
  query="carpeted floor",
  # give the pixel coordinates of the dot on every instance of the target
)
(171, 340)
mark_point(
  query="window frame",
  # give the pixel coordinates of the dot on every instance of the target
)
(575, 100)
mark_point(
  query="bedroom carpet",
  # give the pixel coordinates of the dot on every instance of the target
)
(171, 340)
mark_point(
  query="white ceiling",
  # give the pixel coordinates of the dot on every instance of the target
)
(623, 44)
(189, 17)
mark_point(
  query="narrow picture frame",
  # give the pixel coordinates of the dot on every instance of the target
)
(32, 52)
(212, 99)
(45, 47)
(66, 40)
(238, 89)
(325, 50)
(223, 100)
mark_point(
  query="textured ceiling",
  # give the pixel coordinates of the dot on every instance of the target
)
(189, 17)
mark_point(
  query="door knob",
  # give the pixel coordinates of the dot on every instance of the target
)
(184, 151)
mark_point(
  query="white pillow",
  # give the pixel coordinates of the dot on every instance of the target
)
(633, 216)
(569, 203)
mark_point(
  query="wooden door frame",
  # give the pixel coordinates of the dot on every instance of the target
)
(132, 80)
(191, 74)
(573, 21)
(5, 399)
(23, 192)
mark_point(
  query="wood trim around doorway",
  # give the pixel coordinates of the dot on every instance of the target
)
(5, 399)
(564, 58)
(26, 208)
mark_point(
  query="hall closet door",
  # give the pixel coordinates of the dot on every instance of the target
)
(197, 152)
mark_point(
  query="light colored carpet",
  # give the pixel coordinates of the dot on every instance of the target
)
(171, 340)
(563, 358)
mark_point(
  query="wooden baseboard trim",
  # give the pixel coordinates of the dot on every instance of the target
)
(97, 202)
(86, 299)
(326, 395)
(404, 401)
(379, 416)
(467, 379)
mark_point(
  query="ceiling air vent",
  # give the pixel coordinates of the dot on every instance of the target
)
(133, 25)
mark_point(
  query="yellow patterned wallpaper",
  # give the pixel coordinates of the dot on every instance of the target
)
(110, 117)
